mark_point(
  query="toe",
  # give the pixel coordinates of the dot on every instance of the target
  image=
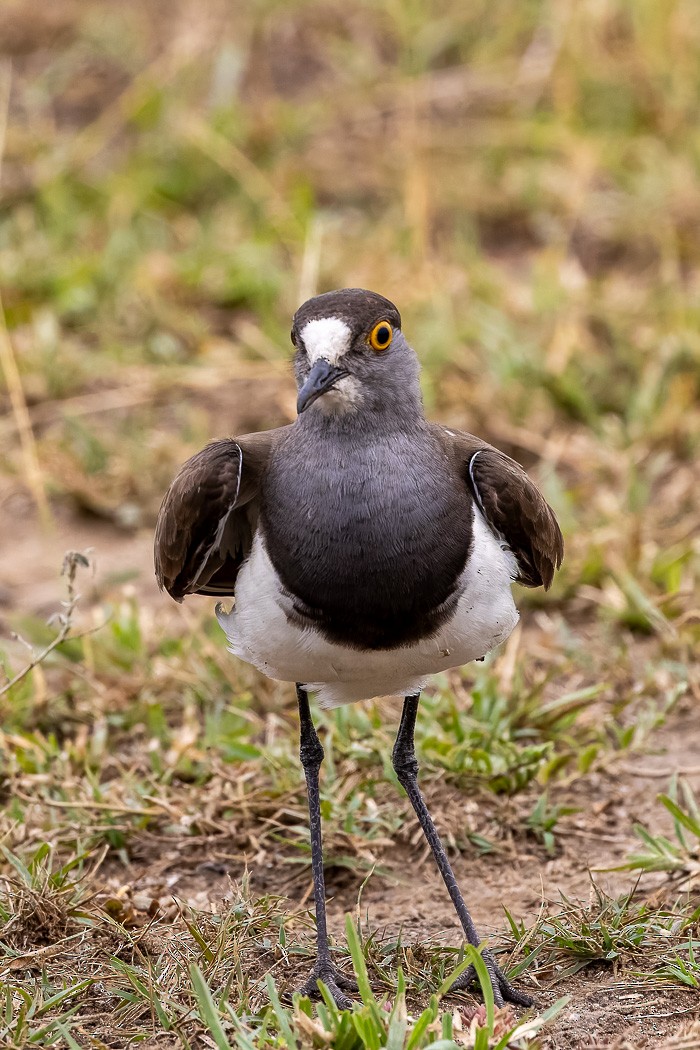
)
(337, 984)
(341, 1000)
(511, 994)
(497, 994)
(503, 990)
(465, 980)
(348, 984)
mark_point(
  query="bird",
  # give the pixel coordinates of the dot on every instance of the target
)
(365, 548)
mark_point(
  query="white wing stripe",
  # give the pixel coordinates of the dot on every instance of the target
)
(474, 484)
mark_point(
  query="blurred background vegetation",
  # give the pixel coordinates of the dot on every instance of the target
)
(523, 181)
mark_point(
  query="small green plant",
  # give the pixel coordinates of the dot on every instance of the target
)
(40, 903)
(616, 931)
(40, 1018)
(374, 1022)
(684, 966)
(544, 818)
(680, 859)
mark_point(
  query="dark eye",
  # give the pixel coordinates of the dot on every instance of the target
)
(380, 336)
(292, 337)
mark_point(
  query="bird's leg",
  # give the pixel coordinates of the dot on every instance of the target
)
(406, 767)
(311, 754)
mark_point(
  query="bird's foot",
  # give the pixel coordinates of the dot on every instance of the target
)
(335, 981)
(503, 990)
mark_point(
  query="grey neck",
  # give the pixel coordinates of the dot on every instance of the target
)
(400, 414)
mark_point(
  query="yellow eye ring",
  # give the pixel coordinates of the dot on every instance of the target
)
(380, 336)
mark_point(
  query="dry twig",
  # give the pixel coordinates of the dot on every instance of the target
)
(71, 561)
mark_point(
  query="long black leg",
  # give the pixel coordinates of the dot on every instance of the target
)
(311, 754)
(406, 766)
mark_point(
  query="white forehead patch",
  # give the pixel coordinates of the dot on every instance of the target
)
(327, 337)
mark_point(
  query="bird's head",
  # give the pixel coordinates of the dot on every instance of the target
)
(351, 356)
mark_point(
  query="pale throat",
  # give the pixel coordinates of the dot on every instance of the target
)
(345, 396)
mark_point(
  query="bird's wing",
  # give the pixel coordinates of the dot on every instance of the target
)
(208, 516)
(514, 508)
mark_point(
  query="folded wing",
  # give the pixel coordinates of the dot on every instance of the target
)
(208, 516)
(515, 509)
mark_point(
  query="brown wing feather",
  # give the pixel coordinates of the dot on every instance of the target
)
(208, 515)
(514, 508)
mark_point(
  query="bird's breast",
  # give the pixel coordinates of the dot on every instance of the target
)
(368, 542)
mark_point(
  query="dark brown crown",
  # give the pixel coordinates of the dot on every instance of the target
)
(359, 309)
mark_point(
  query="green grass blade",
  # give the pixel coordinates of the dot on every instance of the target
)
(452, 977)
(358, 962)
(243, 1040)
(485, 982)
(69, 1040)
(207, 1008)
(419, 1028)
(280, 1011)
(65, 993)
(680, 815)
(398, 1020)
(23, 872)
(41, 1034)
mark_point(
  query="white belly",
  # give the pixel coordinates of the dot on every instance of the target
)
(259, 631)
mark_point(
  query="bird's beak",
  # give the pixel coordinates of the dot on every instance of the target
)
(322, 377)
